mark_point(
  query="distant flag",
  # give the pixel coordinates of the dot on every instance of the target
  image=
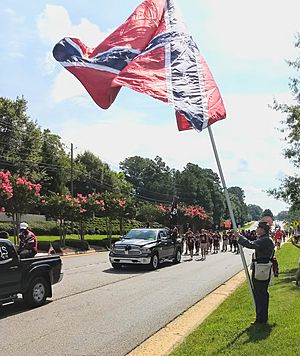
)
(152, 53)
(173, 214)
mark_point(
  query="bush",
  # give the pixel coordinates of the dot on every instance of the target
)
(80, 244)
(40, 228)
(94, 226)
(45, 245)
(104, 242)
(8, 227)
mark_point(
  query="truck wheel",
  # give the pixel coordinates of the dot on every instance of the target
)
(154, 262)
(177, 258)
(116, 265)
(36, 293)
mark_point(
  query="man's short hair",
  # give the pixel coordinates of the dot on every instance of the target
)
(264, 225)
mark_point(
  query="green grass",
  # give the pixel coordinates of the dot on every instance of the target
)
(246, 226)
(74, 237)
(227, 331)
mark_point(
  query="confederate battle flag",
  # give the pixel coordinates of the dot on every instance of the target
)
(152, 53)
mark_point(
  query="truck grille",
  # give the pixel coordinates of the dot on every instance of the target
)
(134, 251)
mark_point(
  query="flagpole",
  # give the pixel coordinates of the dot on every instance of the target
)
(231, 211)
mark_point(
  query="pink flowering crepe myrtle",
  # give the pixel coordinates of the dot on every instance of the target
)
(6, 189)
(187, 211)
(17, 194)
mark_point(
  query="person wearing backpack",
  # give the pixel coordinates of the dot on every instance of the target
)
(264, 251)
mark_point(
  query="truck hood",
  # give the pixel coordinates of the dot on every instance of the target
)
(140, 243)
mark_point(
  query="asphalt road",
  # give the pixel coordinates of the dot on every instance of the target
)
(98, 311)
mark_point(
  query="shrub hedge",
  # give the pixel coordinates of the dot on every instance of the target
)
(103, 243)
(80, 244)
(45, 245)
(94, 227)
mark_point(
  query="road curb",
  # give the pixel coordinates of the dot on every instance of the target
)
(166, 339)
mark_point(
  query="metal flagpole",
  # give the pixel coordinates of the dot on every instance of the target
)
(230, 210)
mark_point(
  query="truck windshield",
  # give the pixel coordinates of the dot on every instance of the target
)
(141, 235)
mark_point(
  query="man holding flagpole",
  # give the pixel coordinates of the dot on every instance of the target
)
(264, 251)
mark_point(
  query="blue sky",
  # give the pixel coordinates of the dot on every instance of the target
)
(245, 44)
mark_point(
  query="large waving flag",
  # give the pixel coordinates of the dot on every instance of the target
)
(152, 53)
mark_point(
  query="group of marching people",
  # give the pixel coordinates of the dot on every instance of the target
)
(208, 241)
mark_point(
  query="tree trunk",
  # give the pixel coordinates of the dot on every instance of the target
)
(121, 226)
(62, 235)
(15, 227)
(109, 231)
(81, 230)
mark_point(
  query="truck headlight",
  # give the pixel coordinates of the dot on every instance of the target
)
(146, 250)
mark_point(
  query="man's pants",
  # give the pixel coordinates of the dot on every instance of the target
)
(261, 297)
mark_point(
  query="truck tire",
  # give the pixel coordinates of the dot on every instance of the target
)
(154, 263)
(177, 258)
(36, 294)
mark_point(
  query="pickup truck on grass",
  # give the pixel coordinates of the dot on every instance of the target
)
(31, 277)
(146, 247)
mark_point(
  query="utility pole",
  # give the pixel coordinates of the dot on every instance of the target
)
(72, 178)
(72, 170)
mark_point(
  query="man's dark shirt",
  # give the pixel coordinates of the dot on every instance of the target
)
(263, 246)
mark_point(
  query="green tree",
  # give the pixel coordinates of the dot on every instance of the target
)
(150, 213)
(151, 179)
(289, 190)
(29, 151)
(18, 196)
(55, 163)
(240, 205)
(60, 208)
(92, 175)
(282, 215)
(267, 212)
(20, 139)
(254, 211)
(198, 186)
(117, 206)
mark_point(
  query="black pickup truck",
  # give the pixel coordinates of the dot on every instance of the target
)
(147, 247)
(31, 277)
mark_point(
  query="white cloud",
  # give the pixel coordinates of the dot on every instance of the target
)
(16, 55)
(254, 30)
(66, 86)
(14, 16)
(54, 23)
(257, 196)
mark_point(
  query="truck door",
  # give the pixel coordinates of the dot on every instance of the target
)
(10, 274)
(167, 244)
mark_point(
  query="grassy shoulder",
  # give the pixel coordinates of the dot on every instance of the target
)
(75, 237)
(228, 332)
